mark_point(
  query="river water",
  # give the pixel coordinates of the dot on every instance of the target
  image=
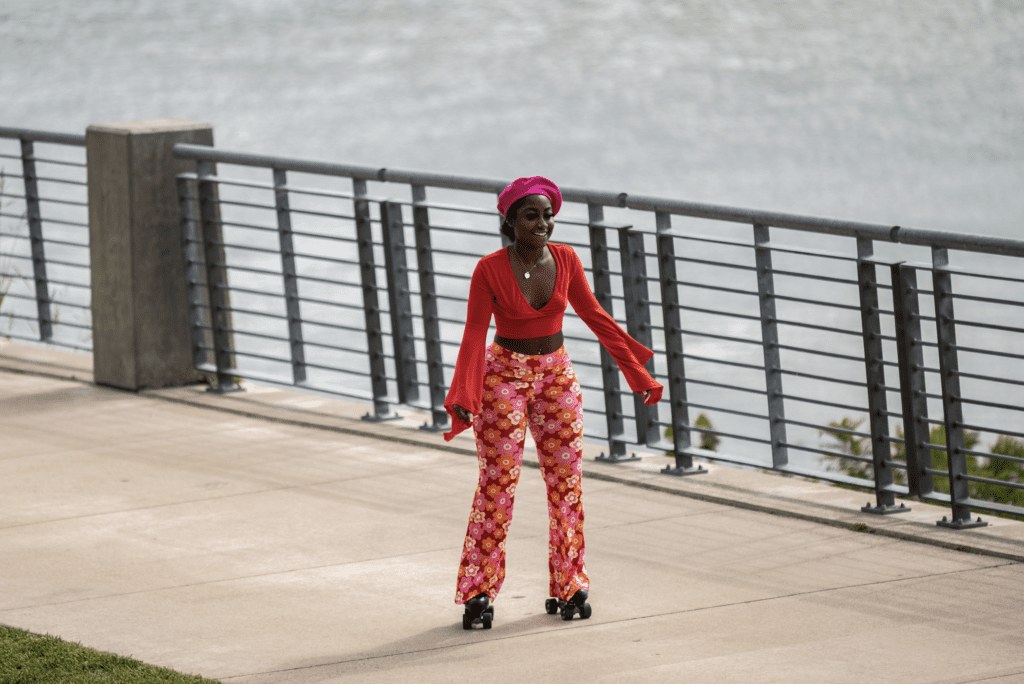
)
(907, 113)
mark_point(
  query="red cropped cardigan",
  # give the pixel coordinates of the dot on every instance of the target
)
(494, 290)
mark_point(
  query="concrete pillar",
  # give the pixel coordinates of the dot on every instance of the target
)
(139, 314)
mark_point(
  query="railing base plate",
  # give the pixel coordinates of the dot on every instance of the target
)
(429, 427)
(218, 389)
(961, 524)
(381, 417)
(680, 472)
(616, 459)
(885, 510)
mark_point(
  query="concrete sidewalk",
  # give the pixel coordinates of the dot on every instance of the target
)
(268, 536)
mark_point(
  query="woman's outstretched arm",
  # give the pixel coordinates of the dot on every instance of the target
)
(468, 380)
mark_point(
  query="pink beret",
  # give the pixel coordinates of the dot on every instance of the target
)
(534, 185)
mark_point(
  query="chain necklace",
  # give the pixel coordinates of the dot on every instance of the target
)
(526, 271)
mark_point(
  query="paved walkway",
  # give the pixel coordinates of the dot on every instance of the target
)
(273, 537)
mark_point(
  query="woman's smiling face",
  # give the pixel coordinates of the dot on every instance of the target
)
(534, 221)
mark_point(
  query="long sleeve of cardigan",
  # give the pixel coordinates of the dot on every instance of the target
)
(629, 354)
(468, 379)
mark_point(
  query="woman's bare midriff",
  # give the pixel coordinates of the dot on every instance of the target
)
(532, 345)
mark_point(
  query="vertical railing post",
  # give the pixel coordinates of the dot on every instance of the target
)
(874, 369)
(216, 279)
(949, 372)
(371, 308)
(196, 292)
(912, 385)
(291, 283)
(609, 371)
(638, 323)
(428, 303)
(674, 359)
(770, 342)
(35, 233)
(400, 302)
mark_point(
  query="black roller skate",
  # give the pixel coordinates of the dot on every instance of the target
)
(568, 609)
(479, 611)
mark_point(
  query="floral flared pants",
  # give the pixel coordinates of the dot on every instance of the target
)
(541, 392)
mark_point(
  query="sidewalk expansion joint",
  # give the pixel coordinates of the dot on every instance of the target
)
(992, 678)
(223, 497)
(240, 578)
(256, 415)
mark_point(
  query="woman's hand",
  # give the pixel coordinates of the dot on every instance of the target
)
(652, 396)
(462, 414)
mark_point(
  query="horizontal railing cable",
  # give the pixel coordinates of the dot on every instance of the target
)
(828, 452)
(998, 457)
(990, 404)
(724, 362)
(709, 286)
(990, 326)
(722, 409)
(53, 281)
(714, 336)
(43, 136)
(815, 302)
(999, 431)
(986, 300)
(708, 262)
(830, 429)
(822, 378)
(822, 352)
(65, 181)
(721, 385)
(988, 352)
(720, 433)
(814, 276)
(822, 402)
(334, 326)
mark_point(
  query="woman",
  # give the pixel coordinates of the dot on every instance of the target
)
(525, 379)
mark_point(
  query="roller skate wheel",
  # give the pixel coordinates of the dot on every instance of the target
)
(551, 606)
(567, 612)
(467, 622)
(486, 617)
(585, 611)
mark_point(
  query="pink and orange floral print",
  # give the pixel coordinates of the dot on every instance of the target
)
(541, 393)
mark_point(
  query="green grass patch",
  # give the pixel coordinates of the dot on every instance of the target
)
(27, 658)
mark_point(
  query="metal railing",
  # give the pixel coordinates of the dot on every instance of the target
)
(44, 239)
(348, 280)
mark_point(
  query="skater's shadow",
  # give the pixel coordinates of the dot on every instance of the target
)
(431, 648)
